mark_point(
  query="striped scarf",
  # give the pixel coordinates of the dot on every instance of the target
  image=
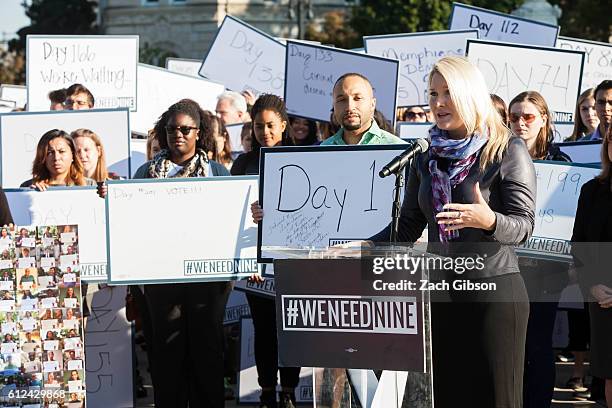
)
(461, 155)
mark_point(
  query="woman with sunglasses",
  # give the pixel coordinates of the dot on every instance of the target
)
(530, 119)
(270, 128)
(415, 114)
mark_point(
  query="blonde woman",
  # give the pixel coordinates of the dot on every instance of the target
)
(476, 185)
(91, 152)
(585, 116)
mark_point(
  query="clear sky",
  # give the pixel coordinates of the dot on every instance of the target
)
(12, 17)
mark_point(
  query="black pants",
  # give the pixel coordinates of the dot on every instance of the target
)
(263, 311)
(187, 343)
(579, 329)
(539, 378)
(479, 346)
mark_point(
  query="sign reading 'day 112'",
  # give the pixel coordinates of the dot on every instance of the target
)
(312, 70)
(245, 58)
(495, 26)
(417, 53)
(323, 195)
(105, 64)
(510, 69)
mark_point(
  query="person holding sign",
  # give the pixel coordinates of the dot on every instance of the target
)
(186, 319)
(603, 107)
(477, 185)
(232, 108)
(56, 163)
(530, 119)
(593, 224)
(57, 98)
(585, 116)
(91, 152)
(78, 98)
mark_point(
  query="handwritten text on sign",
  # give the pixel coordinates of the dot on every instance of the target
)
(512, 69)
(311, 200)
(417, 53)
(494, 26)
(598, 59)
(243, 58)
(106, 65)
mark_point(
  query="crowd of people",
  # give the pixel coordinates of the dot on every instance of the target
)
(476, 184)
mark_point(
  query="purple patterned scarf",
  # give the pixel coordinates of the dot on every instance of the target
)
(461, 154)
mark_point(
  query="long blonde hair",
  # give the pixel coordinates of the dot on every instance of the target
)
(469, 93)
(101, 173)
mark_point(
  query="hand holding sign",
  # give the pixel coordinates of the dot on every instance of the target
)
(603, 295)
(477, 215)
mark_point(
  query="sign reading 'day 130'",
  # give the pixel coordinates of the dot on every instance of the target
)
(323, 195)
(105, 64)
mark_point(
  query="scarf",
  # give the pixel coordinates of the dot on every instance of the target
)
(161, 165)
(461, 155)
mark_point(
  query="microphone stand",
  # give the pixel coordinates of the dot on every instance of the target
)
(397, 206)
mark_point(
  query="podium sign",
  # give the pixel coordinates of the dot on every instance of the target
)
(349, 315)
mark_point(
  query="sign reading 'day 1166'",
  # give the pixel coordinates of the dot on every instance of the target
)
(105, 64)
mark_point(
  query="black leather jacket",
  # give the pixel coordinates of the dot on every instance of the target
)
(508, 186)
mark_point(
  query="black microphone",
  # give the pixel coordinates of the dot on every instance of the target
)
(419, 146)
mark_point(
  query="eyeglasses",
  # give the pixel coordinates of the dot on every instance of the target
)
(413, 115)
(527, 117)
(183, 129)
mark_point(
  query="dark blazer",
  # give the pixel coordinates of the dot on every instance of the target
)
(508, 186)
(246, 164)
(591, 247)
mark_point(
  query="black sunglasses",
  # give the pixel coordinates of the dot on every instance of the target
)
(413, 115)
(183, 129)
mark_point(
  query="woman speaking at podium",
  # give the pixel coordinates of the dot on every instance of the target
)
(476, 184)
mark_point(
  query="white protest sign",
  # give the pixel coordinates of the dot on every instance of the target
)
(21, 131)
(236, 307)
(323, 195)
(67, 206)
(235, 132)
(417, 53)
(413, 130)
(16, 93)
(510, 69)
(244, 58)
(104, 64)
(185, 248)
(184, 66)
(265, 288)
(248, 387)
(495, 26)
(159, 88)
(7, 106)
(108, 351)
(312, 71)
(598, 60)
(563, 130)
(582, 152)
(558, 189)
(138, 153)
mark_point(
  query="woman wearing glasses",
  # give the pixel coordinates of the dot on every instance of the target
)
(186, 319)
(415, 114)
(530, 119)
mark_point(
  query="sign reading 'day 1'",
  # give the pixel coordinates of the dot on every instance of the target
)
(495, 26)
(105, 64)
(598, 60)
(417, 53)
(510, 69)
(312, 71)
(244, 58)
(323, 195)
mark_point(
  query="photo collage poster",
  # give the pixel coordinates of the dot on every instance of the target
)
(41, 350)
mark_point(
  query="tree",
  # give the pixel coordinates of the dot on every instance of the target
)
(12, 68)
(335, 30)
(587, 19)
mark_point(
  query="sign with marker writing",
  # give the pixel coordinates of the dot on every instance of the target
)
(417, 53)
(104, 64)
(67, 205)
(7, 106)
(582, 152)
(159, 88)
(413, 130)
(495, 26)
(558, 189)
(245, 58)
(598, 59)
(312, 71)
(16, 93)
(510, 69)
(235, 132)
(21, 131)
(184, 66)
(563, 130)
(184, 249)
(319, 196)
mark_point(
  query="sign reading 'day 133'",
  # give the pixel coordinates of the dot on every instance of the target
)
(495, 26)
(417, 52)
(245, 58)
(323, 195)
(510, 69)
(105, 64)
